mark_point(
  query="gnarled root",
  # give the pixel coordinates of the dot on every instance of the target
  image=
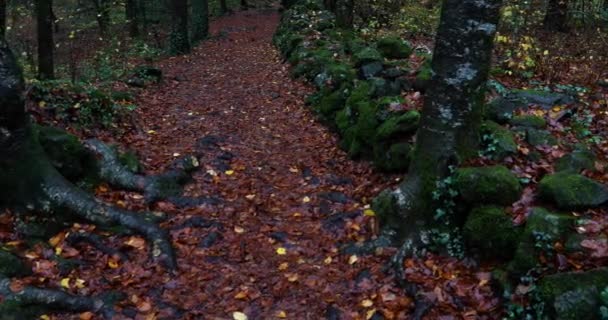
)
(54, 299)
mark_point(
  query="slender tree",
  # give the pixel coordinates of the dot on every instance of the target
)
(451, 117)
(344, 13)
(200, 20)
(102, 9)
(44, 18)
(556, 18)
(223, 7)
(179, 40)
(2, 18)
(132, 17)
(244, 4)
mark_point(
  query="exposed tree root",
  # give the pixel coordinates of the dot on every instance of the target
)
(95, 241)
(54, 299)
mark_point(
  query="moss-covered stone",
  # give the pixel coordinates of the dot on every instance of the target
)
(491, 230)
(537, 137)
(366, 55)
(423, 76)
(543, 228)
(11, 266)
(398, 125)
(370, 70)
(501, 140)
(576, 161)
(572, 191)
(393, 47)
(573, 295)
(493, 185)
(501, 109)
(396, 158)
(528, 121)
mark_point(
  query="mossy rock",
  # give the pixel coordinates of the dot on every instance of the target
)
(528, 121)
(393, 47)
(537, 137)
(503, 141)
(66, 153)
(572, 191)
(501, 109)
(396, 158)
(383, 87)
(398, 125)
(576, 161)
(423, 76)
(573, 295)
(344, 119)
(541, 227)
(491, 230)
(492, 185)
(330, 104)
(11, 265)
(366, 55)
(361, 95)
(370, 70)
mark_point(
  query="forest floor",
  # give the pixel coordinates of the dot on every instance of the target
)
(287, 199)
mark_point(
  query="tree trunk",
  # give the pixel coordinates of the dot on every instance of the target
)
(451, 116)
(556, 18)
(330, 5)
(102, 7)
(132, 18)
(179, 40)
(200, 20)
(344, 13)
(2, 19)
(45, 39)
(244, 4)
(223, 7)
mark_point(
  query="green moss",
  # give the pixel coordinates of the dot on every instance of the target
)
(491, 230)
(393, 47)
(424, 75)
(573, 295)
(572, 191)
(16, 310)
(398, 125)
(366, 55)
(344, 119)
(395, 158)
(494, 185)
(501, 139)
(385, 206)
(66, 152)
(542, 228)
(329, 104)
(528, 121)
(537, 137)
(129, 159)
(576, 161)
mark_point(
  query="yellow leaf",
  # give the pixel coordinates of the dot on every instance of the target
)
(45, 317)
(281, 314)
(136, 242)
(369, 213)
(54, 241)
(42, 104)
(112, 264)
(151, 132)
(283, 266)
(546, 52)
(237, 315)
(306, 200)
(79, 283)
(229, 172)
(58, 251)
(292, 277)
(367, 303)
(241, 295)
(353, 259)
(281, 251)
(370, 314)
(327, 260)
(65, 282)
(557, 109)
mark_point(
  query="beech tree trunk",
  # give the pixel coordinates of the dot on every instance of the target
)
(46, 44)
(2, 19)
(556, 18)
(451, 116)
(223, 7)
(200, 20)
(344, 13)
(132, 17)
(102, 7)
(179, 40)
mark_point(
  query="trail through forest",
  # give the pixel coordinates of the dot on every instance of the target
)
(265, 244)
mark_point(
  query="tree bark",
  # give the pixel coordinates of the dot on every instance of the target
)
(200, 20)
(46, 69)
(179, 40)
(451, 116)
(344, 13)
(132, 18)
(556, 18)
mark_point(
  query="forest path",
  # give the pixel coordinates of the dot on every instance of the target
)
(278, 175)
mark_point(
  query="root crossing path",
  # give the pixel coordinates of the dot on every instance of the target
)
(281, 197)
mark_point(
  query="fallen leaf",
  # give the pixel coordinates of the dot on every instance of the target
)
(237, 315)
